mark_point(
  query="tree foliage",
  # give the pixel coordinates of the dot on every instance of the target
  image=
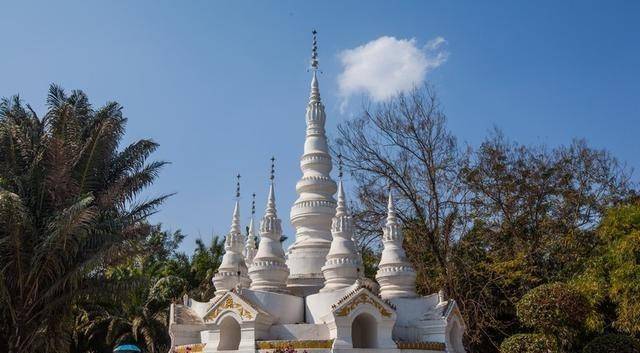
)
(612, 276)
(555, 309)
(486, 224)
(613, 344)
(69, 209)
(162, 275)
(530, 343)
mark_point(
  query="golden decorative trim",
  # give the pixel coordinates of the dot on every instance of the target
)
(357, 290)
(423, 346)
(229, 303)
(189, 348)
(281, 344)
(363, 298)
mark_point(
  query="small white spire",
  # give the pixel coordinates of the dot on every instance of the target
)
(343, 265)
(232, 272)
(396, 275)
(271, 202)
(250, 248)
(235, 219)
(269, 271)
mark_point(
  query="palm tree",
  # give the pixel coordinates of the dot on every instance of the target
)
(69, 209)
(204, 263)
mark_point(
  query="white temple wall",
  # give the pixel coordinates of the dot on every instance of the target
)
(186, 334)
(284, 308)
(319, 305)
(199, 308)
(300, 332)
(412, 310)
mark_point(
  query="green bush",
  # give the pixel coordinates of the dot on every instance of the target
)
(613, 344)
(530, 343)
(556, 309)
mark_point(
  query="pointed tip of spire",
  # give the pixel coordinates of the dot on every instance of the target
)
(272, 193)
(235, 219)
(236, 210)
(271, 201)
(341, 209)
(251, 228)
(391, 209)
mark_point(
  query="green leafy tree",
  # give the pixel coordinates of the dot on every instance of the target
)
(530, 343)
(556, 309)
(204, 264)
(485, 224)
(69, 209)
(613, 344)
(612, 277)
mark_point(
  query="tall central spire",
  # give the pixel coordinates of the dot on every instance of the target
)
(314, 209)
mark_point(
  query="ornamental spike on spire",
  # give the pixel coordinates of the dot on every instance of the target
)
(269, 271)
(314, 51)
(391, 210)
(250, 249)
(341, 209)
(271, 199)
(235, 220)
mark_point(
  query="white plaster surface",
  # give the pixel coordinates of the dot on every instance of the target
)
(284, 308)
(299, 332)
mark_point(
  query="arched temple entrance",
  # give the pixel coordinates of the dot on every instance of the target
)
(229, 334)
(364, 331)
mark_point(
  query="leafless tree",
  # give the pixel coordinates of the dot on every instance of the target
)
(404, 144)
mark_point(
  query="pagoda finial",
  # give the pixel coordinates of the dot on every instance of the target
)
(238, 186)
(235, 222)
(314, 51)
(271, 199)
(272, 175)
(340, 165)
(253, 204)
(250, 248)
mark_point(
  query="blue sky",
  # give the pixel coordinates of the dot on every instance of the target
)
(222, 86)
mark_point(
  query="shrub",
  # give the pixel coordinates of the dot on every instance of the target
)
(555, 308)
(613, 344)
(530, 343)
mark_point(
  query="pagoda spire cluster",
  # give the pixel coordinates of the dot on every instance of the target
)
(324, 256)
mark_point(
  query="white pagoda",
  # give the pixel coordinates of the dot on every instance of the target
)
(315, 297)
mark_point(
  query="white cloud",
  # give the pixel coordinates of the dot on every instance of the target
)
(387, 66)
